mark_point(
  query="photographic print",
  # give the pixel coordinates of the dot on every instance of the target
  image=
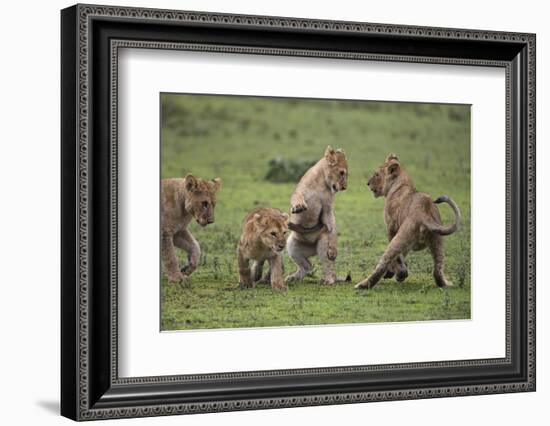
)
(281, 212)
(307, 182)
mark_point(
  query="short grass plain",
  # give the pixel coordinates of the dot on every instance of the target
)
(235, 137)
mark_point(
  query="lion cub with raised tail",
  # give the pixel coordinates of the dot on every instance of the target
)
(182, 200)
(412, 221)
(263, 238)
(312, 220)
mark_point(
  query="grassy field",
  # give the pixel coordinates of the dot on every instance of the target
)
(235, 137)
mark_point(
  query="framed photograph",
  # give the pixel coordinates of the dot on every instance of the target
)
(263, 212)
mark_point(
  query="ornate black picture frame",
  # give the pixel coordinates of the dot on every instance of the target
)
(91, 36)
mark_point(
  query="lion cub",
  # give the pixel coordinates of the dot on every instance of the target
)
(312, 221)
(263, 238)
(412, 221)
(182, 200)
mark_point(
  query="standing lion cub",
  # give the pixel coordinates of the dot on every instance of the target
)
(182, 200)
(312, 221)
(263, 238)
(412, 221)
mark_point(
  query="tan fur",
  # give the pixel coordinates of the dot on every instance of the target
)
(412, 221)
(312, 203)
(263, 238)
(182, 200)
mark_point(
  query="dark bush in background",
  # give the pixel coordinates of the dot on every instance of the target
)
(286, 170)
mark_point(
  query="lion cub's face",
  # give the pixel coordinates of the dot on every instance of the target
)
(336, 171)
(200, 198)
(272, 228)
(382, 180)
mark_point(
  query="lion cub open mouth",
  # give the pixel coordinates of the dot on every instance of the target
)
(263, 238)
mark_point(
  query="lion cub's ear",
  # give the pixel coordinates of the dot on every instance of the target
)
(394, 168)
(217, 184)
(259, 221)
(191, 182)
(330, 156)
(393, 164)
(254, 218)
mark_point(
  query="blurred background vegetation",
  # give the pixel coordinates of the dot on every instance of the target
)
(260, 147)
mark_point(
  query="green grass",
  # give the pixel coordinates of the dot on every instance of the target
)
(235, 137)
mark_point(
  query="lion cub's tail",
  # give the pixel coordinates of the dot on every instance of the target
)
(441, 229)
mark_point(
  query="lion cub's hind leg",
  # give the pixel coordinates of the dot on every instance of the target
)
(398, 267)
(396, 247)
(300, 253)
(436, 249)
(327, 255)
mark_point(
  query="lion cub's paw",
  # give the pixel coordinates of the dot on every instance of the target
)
(299, 205)
(243, 285)
(281, 286)
(299, 208)
(442, 282)
(178, 278)
(333, 279)
(401, 275)
(363, 285)
(188, 269)
(389, 274)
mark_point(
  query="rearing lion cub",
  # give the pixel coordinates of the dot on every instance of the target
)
(312, 220)
(263, 238)
(183, 199)
(412, 221)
